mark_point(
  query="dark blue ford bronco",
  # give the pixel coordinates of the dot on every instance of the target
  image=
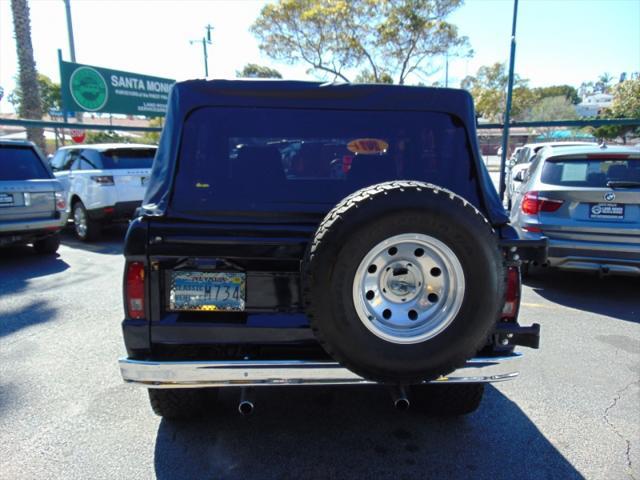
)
(298, 233)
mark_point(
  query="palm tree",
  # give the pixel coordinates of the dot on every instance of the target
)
(31, 105)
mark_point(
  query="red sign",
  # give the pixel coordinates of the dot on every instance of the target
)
(77, 136)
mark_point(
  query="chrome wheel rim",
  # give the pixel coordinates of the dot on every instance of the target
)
(408, 288)
(80, 221)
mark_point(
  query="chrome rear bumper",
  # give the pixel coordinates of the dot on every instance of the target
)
(154, 374)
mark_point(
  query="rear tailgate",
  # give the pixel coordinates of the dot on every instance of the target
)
(27, 200)
(600, 199)
(130, 168)
(130, 184)
(26, 186)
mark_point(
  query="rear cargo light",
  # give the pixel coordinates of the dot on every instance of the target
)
(105, 180)
(61, 205)
(512, 297)
(108, 210)
(533, 203)
(134, 291)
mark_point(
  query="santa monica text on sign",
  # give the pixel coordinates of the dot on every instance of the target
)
(96, 89)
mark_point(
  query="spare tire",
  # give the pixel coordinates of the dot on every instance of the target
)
(403, 282)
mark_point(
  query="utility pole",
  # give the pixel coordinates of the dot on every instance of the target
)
(72, 46)
(507, 113)
(446, 70)
(206, 40)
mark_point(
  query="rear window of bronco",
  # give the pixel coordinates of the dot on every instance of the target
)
(248, 158)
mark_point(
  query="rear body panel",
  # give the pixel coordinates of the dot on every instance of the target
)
(268, 254)
(231, 192)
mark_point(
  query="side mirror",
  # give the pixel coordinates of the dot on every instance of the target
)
(520, 176)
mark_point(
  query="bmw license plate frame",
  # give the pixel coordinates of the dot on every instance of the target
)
(7, 200)
(606, 211)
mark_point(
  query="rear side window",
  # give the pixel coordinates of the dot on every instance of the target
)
(127, 158)
(590, 172)
(239, 158)
(21, 163)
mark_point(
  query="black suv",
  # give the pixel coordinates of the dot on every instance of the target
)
(304, 233)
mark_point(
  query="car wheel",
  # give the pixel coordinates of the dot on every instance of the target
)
(84, 228)
(181, 403)
(444, 399)
(48, 245)
(403, 282)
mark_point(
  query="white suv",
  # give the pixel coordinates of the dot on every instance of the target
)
(104, 183)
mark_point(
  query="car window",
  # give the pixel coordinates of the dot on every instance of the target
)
(21, 163)
(314, 156)
(90, 160)
(589, 172)
(58, 159)
(127, 158)
(73, 160)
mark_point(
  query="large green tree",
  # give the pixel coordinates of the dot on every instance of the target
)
(50, 95)
(31, 105)
(489, 90)
(566, 91)
(253, 70)
(625, 104)
(383, 39)
(548, 109)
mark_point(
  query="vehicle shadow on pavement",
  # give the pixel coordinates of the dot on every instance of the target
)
(20, 264)
(111, 241)
(612, 296)
(16, 319)
(353, 432)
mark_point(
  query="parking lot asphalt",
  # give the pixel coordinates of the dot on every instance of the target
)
(65, 413)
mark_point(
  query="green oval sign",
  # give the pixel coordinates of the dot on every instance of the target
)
(88, 88)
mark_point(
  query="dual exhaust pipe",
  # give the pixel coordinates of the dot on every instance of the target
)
(246, 404)
(247, 401)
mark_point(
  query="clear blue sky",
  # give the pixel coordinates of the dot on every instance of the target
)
(559, 41)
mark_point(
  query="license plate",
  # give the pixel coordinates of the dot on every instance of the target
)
(144, 181)
(202, 291)
(6, 199)
(607, 211)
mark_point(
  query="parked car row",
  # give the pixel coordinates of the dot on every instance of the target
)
(90, 185)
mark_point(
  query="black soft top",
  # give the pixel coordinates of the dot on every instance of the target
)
(186, 97)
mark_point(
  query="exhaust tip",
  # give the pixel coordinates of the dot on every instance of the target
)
(402, 404)
(245, 408)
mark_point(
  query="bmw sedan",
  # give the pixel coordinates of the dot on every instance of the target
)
(586, 201)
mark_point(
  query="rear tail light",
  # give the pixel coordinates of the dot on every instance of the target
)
(105, 180)
(346, 163)
(134, 290)
(61, 204)
(533, 203)
(512, 297)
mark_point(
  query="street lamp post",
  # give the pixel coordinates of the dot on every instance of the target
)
(72, 46)
(206, 40)
(507, 113)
